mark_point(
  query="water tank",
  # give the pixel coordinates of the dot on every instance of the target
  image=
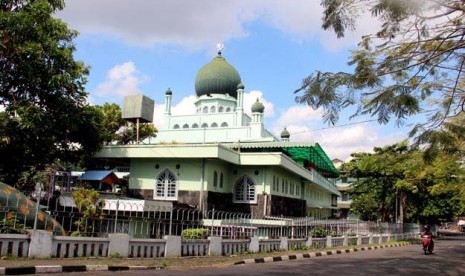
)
(138, 107)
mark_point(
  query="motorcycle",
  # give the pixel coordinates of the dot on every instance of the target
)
(427, 242)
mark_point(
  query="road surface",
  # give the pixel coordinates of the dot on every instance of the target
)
(448, 259)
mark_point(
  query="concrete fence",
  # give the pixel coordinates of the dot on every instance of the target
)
(42, 244)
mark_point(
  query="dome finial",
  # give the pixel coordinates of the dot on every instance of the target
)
(285, 135)
(258, 107)
(220, 48)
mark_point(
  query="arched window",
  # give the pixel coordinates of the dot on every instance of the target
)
(176, 126)
(185, 126)
(214, 125)
(228, 109)
(221, 180)
(212, 109)
(224, 124)
(244, 190)
(220, 109)
(166, 186)
(205, 109)
(215, 179)
(195, 126)
(204, 125)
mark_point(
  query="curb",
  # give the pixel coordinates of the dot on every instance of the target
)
(69, 268)
(86, 268)
(317, 254)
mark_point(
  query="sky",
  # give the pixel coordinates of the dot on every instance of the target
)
(140, 46)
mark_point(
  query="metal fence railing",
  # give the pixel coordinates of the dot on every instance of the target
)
(142, 220)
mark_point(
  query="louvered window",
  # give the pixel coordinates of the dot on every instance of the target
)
(244, 190)
(166, 186)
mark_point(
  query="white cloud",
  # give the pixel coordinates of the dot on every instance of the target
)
(200, 24)
(122, 80)
(298, 115)
(184, 107)
(304, 125)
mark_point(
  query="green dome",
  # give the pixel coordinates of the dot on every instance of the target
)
(217, 77)
(258, 107)
(169, 92)
(285, 134)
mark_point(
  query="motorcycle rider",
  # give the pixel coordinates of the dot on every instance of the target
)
(428, 233)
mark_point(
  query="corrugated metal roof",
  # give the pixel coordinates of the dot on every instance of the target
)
(277, 144)
(297, 151)
(95, 175)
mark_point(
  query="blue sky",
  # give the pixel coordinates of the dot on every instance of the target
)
(142, 46)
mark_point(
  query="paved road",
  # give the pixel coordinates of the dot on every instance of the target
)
(448, 259)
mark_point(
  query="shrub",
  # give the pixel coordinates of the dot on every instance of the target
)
(194, 233)
(319, 232)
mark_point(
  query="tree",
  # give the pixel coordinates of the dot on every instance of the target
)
(111, 121)
(413, 64)
(90, 207)
(396, 182)
(115, 129)
(46, 117)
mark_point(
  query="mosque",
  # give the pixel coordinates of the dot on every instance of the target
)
(221, 158)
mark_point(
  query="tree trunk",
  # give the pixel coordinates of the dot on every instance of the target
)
(403, 199)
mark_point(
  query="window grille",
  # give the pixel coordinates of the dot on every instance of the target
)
(166, 186)
(244, 190)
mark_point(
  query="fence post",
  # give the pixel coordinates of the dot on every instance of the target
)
(359, 240)
(119, 245)
(116, 216)
(309, 243)
(173, 246)
(40, 245)
(284, 244)
(254, 245)
(215, 246)
(346, 241)
(370, 238)
(328, 242)
(171, 222)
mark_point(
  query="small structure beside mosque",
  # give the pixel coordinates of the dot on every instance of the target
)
(221, 158)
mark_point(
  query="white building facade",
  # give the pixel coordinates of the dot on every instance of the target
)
(221, 158)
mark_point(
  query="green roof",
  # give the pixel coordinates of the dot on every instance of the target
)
(316, 156)
(217, 77)
(305, 154)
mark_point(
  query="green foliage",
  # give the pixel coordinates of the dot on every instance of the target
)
(10, 224)
(194, 233)
(115, 129)
(299, 247)
(90, 207)
(46, 116)
(398, 176)
(319, 232)
(413, 64)
(365, 206)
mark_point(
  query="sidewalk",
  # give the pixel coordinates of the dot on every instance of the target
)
(16, 266)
